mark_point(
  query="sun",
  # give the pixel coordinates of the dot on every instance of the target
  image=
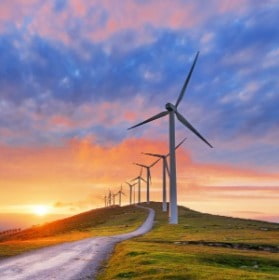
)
(40, 210)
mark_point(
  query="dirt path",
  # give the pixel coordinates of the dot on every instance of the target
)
(73, 260)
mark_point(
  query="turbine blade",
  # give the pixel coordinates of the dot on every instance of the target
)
(154, 162)
(153, 155)
(143, 179)
(167, 167)
(160, 115)
(186, 81)
(190, 127)
(138, 164)
(177, 146)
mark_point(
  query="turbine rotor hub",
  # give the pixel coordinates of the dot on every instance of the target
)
(170, 107)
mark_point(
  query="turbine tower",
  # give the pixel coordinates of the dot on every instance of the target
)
(131, 192)
(113, 198)
(120, 192)
(165, 168)
(172, 111)
(135, 193)
(109, 198)
(105, 198)
(148, 178)
(139, 179)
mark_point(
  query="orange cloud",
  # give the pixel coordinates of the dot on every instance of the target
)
(81, 169)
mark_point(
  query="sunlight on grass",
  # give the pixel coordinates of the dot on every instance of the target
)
(100, 222)
(160, 254)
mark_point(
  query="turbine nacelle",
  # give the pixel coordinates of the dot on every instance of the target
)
(170, 107)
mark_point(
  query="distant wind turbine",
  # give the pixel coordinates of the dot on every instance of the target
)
(148, 178)
(109, 198)
(135, 194)
(139, 179)
(165, 168)
(114, 195)
(172, 111)
(131, 186)
(120, 192)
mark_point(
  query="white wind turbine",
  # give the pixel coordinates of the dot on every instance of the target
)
(114, 195)
(131, 186)
(172, 111)
(165, 168)
(135, 194)
(148, 178)
(139, 179)
(120, 192)
(109, 198)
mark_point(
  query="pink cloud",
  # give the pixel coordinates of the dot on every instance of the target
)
(109, 17)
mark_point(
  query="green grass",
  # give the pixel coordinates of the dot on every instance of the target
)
(98, 222)
(161, 254)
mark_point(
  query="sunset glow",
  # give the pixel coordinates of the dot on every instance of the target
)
(40, 210)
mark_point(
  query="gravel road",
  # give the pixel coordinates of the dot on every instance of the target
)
(68, 261)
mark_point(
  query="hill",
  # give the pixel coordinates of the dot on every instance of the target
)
(202, 246)
(97, 222)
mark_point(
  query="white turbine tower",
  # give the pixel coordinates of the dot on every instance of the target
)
(165, 168)
(113, 198)
(135, 193)
(172, 111)
(148, 178)
(109, 198)
(139, 179)
(131, 186)
(120, 192)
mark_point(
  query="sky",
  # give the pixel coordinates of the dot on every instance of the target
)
(75, 74)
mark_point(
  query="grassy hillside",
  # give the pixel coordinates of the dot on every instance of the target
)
(103, 221)
(167, 253)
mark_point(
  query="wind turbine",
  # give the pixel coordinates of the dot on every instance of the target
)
(109, 198)
(131, 191)
(148, 177)
(139, 178)
(113, 198)
(172, 111)
(135, 194)
(165, 168)
(120, 192)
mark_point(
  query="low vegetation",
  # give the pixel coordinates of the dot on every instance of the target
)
(98, 222)
(167, 253)
(202, 246)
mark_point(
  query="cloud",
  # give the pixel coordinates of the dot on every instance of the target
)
(78, 206)
(101, 20)
(87, 165)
